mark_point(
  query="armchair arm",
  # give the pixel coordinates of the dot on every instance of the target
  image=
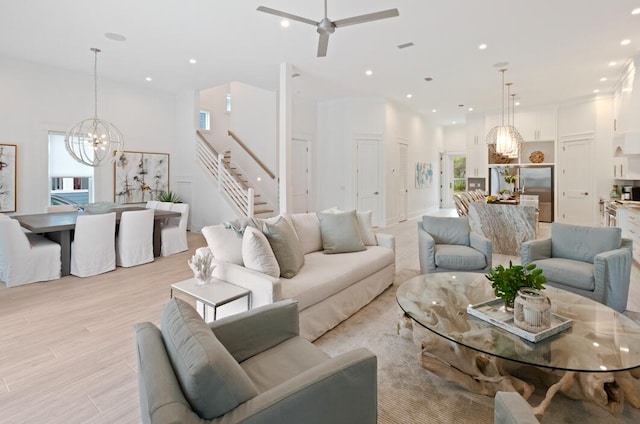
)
(612, 272)
(264, 288)
(341, 390)
(249, 333)
(426, 250)
(533, 250)
(482, 244)
(386, 240)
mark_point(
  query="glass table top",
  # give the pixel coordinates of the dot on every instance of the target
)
(600, 340)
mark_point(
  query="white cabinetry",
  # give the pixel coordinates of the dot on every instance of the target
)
(628, 219)
(476, 146)
(626, 167)
(537, 125)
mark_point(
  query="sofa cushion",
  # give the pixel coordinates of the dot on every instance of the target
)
(325, 275)
(282, 362)
(568, 272)
(366, 230)
(225, 244)
(455, 256)
(445, 230)
(307, 229)
(582, 243)
(285, 246)
(257, 254)
(340, 233)
(212, 381)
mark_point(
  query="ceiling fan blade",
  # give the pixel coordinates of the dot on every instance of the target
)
(286, 15)
(323, 42)
(391, 13)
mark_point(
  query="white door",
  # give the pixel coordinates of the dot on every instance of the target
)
(369, 181)
(300, 175)
(445, 191)
(403, 181)
(575, 180)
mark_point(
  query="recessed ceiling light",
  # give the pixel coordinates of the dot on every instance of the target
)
(627, 90)
(409, 96)
(482, 46)
(516, 104)
(636, 11)
(470, 109)
(193, 61)
(434, 110)
(596, 91)
(285, 23)
(148, 79)
(368, 72)
(613, 63)
(454, 122)
(625, 42)
(115, 37)
(603, 79)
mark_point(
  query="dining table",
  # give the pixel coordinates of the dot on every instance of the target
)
(60, 226)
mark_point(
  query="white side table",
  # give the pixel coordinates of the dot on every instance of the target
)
(216, 294)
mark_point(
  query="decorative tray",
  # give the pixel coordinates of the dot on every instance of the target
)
(493, 311)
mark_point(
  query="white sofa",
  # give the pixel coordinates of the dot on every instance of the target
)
(328, 287)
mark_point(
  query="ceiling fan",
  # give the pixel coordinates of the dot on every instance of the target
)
(327, 27)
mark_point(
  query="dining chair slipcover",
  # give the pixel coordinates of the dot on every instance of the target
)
(26, 258)
(134, 244)
(174, 234)
(93, 250)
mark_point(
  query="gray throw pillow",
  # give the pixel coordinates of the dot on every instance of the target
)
(285, 245)
(340, 233)
(447, 230)
(211, 379)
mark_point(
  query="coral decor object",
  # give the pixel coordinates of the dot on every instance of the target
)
(201, 263)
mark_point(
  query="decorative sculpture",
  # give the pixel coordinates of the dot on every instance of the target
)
(201, 263)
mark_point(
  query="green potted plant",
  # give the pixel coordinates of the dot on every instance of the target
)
(508, 178)
(169, 196)
(507, 281)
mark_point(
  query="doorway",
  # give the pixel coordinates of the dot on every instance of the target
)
(369, 181)
(70, 182)
(455, 177)
(576, 183)
(300, 175)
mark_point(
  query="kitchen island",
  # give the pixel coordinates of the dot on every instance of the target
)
(506, 224)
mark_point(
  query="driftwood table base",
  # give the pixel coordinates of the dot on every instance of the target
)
(485, 374)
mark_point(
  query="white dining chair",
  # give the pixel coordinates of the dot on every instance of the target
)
(3, 216)
(26, 258)
(134, 243)
(93, 249)
(174, 234)
(61, 208)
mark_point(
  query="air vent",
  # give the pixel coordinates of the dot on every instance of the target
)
(405, 45)
(296, 75)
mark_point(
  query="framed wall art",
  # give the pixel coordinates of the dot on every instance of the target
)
(140, 176)
(424, 174)
(8, 161)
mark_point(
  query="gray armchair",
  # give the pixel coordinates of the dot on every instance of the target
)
(447, 244)
(589, 261)
(252, 367)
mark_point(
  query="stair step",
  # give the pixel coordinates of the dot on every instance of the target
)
(259, 203)
(259, 211)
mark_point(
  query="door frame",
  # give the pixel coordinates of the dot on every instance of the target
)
(447, 177)
(403, 142)
(378, 139)
(309, 170)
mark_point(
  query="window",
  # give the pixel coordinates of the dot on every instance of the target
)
(459, 174)
(70, 182)
(227, 103)
(205, 121)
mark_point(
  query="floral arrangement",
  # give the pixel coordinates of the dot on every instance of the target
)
(201, 263)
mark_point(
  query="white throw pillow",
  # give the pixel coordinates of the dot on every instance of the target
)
(224, 243)
(307, 229)
(366, 230)
(257, 254)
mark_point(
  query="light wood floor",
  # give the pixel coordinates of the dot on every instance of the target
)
(67, 352)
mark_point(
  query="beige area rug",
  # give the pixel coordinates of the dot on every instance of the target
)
(409, 394)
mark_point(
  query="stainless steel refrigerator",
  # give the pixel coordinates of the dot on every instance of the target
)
(538, 181)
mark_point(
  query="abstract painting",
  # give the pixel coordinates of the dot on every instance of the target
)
(140, 177)
(424, 174)
(8, 162)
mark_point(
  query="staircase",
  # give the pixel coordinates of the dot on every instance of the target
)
(231, 183)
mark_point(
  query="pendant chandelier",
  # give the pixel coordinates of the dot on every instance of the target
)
(94, 142)
(504, 139)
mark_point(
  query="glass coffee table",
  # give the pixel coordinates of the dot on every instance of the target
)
(597, 359)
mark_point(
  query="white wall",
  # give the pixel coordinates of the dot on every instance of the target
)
(37, 99)
(455, 138)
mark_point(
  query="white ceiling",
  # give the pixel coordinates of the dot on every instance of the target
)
(557, 49)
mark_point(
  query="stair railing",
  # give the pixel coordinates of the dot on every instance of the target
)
(253, 155)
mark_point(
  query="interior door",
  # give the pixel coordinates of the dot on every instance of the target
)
(403, 183)
(576, 179)
(369, 181)
(300, 175)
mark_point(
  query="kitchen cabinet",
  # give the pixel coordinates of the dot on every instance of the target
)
(476, 134)
(537, 125)
(477, 162)
(626, 167)
(628, 220)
